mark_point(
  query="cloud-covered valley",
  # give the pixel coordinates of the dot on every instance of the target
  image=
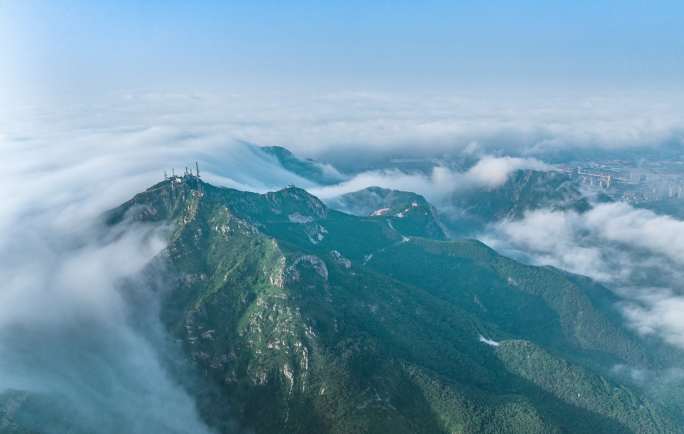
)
(635, 252)
(440, 181)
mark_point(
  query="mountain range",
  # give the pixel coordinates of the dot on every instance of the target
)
(464, 212)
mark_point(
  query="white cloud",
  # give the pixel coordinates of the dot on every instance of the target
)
(65, 331)
(490, 342)
(657, 311)
(635, 252)
(433, 125)
(659, 234)
(489, 172)
(492, 172)
(358, 125)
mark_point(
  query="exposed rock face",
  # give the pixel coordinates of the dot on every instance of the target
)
(340, 259)
(293, 273)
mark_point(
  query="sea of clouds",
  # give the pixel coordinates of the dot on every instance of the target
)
(64, 324)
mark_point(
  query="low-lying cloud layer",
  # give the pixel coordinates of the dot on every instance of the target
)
(65, 332)
(489, 172)
(362, 129)
(637, 253)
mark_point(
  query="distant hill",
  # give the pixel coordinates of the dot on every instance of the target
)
(524, 190)
(305, 168)
(465, 211)
(408, 212)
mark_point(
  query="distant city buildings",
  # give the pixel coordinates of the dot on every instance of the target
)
(629, 181)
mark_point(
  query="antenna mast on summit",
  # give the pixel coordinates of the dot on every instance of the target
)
(197, 169)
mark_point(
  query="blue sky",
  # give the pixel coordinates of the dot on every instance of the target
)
(95, 47)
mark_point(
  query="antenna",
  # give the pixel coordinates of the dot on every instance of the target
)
(197, 169)
(173, 173)
(165, 176)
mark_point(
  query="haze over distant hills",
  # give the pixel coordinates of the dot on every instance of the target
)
(466, 207)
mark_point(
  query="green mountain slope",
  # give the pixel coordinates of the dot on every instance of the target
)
(408, 212)
(301, 319)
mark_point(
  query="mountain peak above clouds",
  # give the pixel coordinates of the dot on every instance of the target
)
(292, 309)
